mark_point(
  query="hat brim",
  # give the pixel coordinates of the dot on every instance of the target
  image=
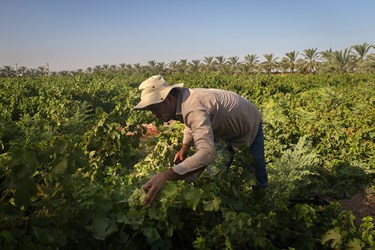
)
(144, 104)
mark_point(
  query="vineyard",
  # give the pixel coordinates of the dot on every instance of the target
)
(74, 157)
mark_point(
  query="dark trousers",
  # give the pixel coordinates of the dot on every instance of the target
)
(256, 150)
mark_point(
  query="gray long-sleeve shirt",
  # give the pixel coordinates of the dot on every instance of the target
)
(213, 113)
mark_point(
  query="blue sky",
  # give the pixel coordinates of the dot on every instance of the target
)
(77, 34)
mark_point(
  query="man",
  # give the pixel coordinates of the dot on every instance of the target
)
(208, 114)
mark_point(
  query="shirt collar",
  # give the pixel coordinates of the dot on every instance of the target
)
(178, 106)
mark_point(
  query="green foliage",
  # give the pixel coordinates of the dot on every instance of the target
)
(348, 180)
(297, 173)
(73, 161)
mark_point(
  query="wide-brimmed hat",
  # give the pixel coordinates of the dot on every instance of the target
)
(154, 90)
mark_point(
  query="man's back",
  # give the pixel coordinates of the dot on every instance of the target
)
(231, 116)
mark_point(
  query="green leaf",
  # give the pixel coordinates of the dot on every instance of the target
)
(200, 243)
(192, 197)
(156, 213)
(102, 227)
(169, 192)
(61, 166)
(23, 163)
(212, 205)
(333, 235)
(151, 234)
(24, 192)
(7, 236)
(354, 244)
(134, 217)
(42, 235)
(61, 146)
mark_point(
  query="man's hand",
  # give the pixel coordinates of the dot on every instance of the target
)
(156, 184)
(181, 155)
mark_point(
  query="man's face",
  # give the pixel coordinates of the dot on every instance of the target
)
(164, 111)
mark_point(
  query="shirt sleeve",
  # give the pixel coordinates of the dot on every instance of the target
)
(188, 137)
(201, 131)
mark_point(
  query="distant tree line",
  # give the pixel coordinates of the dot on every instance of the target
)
(356, 59)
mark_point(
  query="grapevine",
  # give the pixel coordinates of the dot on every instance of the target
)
(74, 157)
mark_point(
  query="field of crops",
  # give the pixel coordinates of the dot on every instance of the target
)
(73, 158)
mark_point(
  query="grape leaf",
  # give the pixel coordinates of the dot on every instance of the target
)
(333, 235)
(192, 197)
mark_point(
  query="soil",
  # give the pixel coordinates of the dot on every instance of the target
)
(361, 205)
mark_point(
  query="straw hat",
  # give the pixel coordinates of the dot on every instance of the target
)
(154, 90)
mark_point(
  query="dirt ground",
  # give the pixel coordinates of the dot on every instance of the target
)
(360, 204)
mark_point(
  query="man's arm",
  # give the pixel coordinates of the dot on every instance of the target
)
(188, 137)
(201, 131)
(199, 124)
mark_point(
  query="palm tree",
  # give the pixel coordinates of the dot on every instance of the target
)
(338, 61)
(97, 69)
(152, 66)
(362, 50)
(122, 67)
(182, 66)
(271, 64)
(220, 62)
(210, 63)
(137, 67)
(41, 70)
(233, 63)
(244, 69)
(290, 61)
(105, 67)
(112, 68)
(129, 67)
(251, 60)
(64, 73)
(21, 71)
(31, 72)
(194, 65)
(369, 65)
(173, 66)
(310, 62)
(160, 68)
(8, 71)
